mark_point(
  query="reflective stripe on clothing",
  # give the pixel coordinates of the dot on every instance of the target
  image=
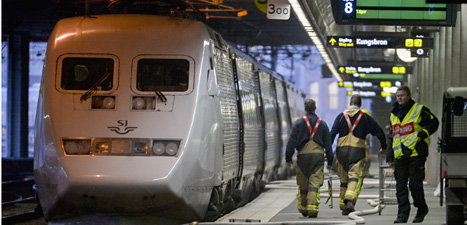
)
(308, 189)
(352, 127)
(350, 149)
(353, 180)
(406, 132)
(312, 132)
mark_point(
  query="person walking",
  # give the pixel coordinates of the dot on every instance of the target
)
(309, 136)
(412, 125)
(353, 126)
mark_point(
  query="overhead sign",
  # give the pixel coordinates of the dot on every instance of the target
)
(278, 10)
(369, 84)
(447, 1)
(355, 84)
(397, 77)
(379, 42)
(369, 94)
(420, 52)
(388, 84)
(393, 12)
(373, 69)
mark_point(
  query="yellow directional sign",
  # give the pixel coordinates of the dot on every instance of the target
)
(409, 42)
(418, 43)
(385, 84)
(385, 94)
(262, 5)
(398, 70)
(379, 42)
(375, 69)
(341, 69)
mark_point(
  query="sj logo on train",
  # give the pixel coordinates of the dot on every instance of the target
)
(122, 127)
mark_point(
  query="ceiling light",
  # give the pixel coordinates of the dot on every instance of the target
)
(405, 55)
(314, 37)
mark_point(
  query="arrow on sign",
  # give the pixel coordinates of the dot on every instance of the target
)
(341, 69)
(332, 41)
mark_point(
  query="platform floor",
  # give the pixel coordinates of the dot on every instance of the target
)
(278, 205)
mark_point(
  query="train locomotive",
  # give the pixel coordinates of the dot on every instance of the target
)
(145, 114)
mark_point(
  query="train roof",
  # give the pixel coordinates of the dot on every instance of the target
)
(127, 32)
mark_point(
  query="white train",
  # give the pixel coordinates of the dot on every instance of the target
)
(143, 114)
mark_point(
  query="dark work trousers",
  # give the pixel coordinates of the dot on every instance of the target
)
(410, 169)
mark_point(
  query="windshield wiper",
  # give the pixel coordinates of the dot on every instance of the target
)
(93, 88)
(159, 94)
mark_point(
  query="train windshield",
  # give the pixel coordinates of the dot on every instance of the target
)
(162, 75)
(83, 73)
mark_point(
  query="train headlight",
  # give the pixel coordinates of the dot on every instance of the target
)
(102, 147)
(140, 147)
(76, 146)
(143, 103)
(158, 148)
(138, 103)
(103, 102)
(120, 146)
(108, 102)
(165, 147)
(171, 148)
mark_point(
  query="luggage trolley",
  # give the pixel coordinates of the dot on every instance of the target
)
(387, 183)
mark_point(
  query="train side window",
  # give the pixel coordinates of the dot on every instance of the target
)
(162, 75)
(79, 73)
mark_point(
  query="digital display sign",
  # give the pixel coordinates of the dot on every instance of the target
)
(374, 69)
(393, 12)
(375, 85)
(379, 42)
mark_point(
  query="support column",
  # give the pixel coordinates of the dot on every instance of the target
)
(17, 96)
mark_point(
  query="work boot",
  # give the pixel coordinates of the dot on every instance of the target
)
(345, 212)
(312, 214)
(302, 210)
(421, 213)
(350, 206)
(401, 219)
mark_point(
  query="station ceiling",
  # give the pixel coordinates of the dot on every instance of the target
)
(37, 19)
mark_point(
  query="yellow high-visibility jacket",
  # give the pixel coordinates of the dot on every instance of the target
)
(405, 132)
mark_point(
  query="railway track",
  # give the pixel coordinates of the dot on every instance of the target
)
(19, 202)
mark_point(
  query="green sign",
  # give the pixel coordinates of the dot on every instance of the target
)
(381, 76)
(393, 12)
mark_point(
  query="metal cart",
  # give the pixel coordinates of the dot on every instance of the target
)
(387, 183)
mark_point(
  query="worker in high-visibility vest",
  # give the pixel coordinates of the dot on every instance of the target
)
(353, 125)
(412, 126)
(309, 136)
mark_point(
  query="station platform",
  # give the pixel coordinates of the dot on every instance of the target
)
(278, 205)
